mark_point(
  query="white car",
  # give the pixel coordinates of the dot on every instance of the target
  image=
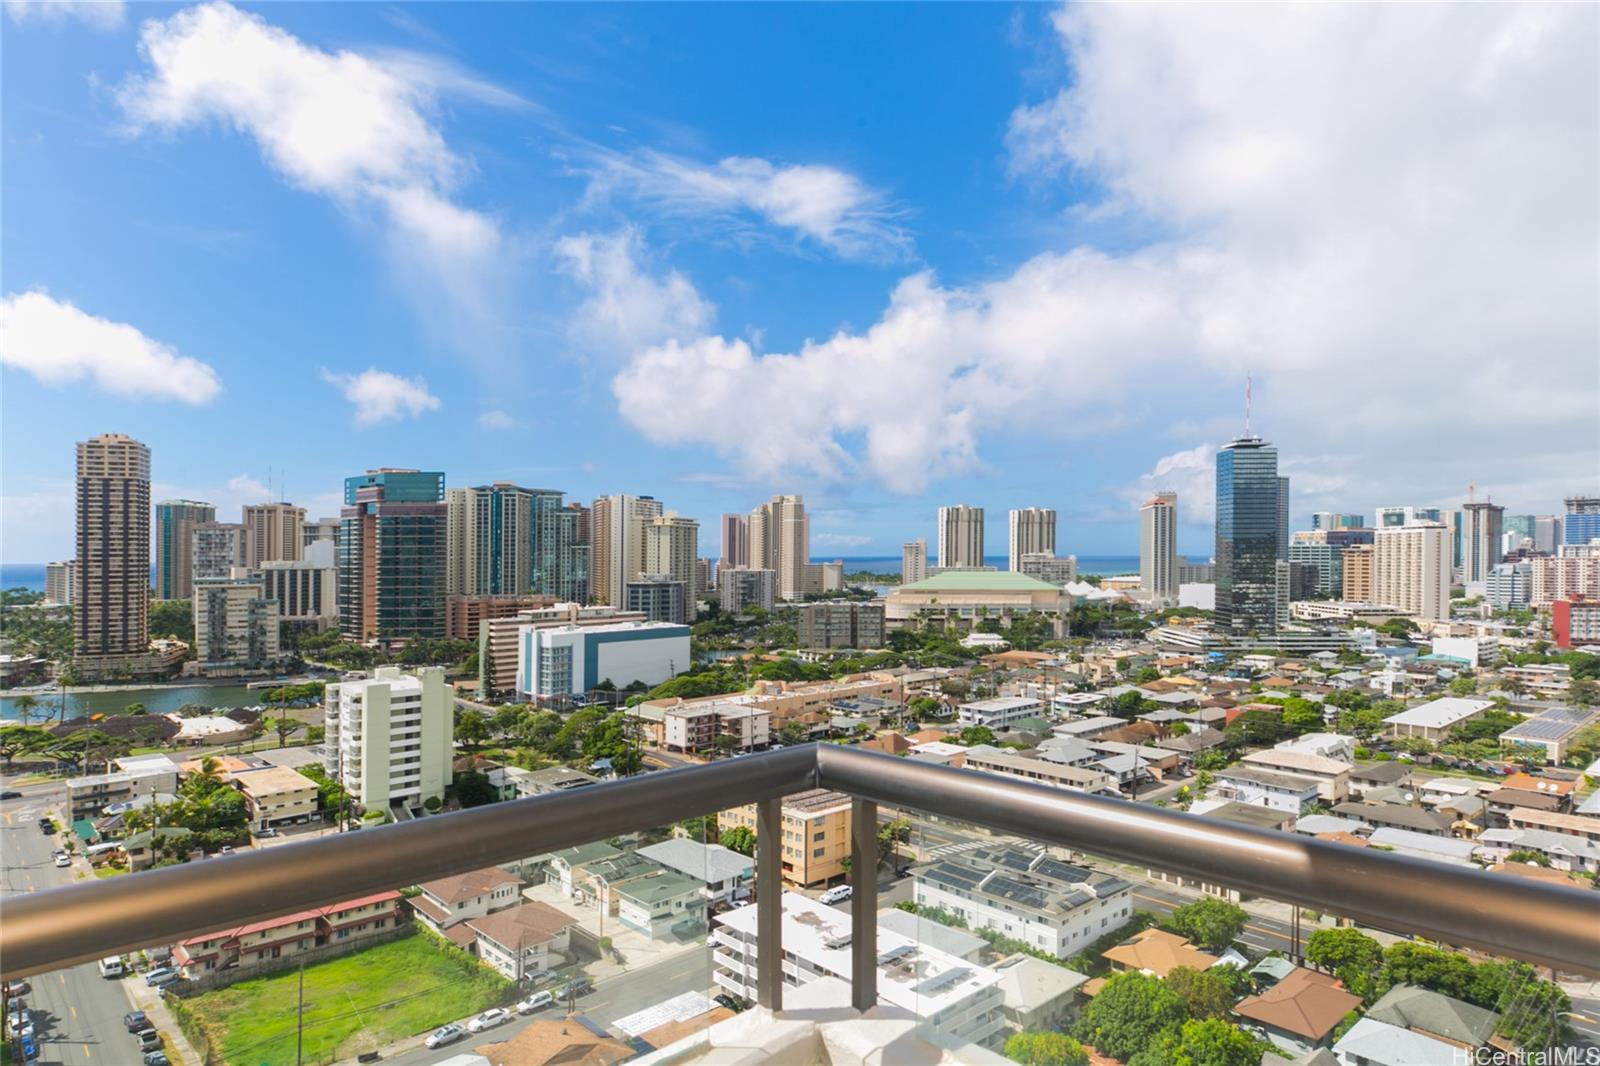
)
(488, 1020)
(63, 859)
(534, 1002)
(837, 894)
(445, 1034)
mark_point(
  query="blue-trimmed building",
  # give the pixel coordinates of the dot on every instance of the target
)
(558, 663)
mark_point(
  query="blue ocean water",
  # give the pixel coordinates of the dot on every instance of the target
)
(22, 576)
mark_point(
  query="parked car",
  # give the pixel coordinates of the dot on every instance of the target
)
(733, 1003)
(488, 1020)
(46, 826)
(576, 987)
(165, 975)
(20, 1022)
(157, 1058)
(8, 794)
(535, 1002)
(135, 1020)
(17, 988)
(265, 833)
(63, 859)
(445, 1034)
(836, 894)
(111, 966)
(149, 1040)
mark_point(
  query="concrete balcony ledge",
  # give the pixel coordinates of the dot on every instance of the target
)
(818, 1027)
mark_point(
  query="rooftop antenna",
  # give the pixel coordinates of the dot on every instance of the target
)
(1247, 383)
(1471, 487)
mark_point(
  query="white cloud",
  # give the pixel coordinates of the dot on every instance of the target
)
(823, 204)
(100, 14)
(1192, 474)
(379, 396)
(497, 420)
(627, 308)
(354, 128)
(1387, 213)
(59, 344)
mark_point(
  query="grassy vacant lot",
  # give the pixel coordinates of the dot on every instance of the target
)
(352, 1004)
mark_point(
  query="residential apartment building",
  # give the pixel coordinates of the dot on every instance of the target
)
(447, 903)
(321, 529)
(913, 561)
(1158, 547)
(993, 760)
(235, 626)
(1053, 906)
(217, 551)
(465, 615)
(1356, 562)
(273, 532)
(816, 834)
(1411, 569)
(780, 540)
(1575, 621)
(741, 589)
(1573, 571)
(275, 795)
(489, 540)
(1481, 540)
(306, 589)
(672, 548)
(1311, 549)
(1509, 586)
(617, 544)
(1032, 532)
(111, 602)
(1581, 524)
(59, 581)
(1332, 775)
(388, 737)
(274, 944)
(557, 663)
(660, 598)
(393, 551)
(700, 727)
(1432, 720)
(1276, 790)
(961, 537)
(1336, 520)
(735, 543)
(841, 624)
(135, 778)
(1051, 569)
(1248, 579)
(174, 546)
(1000, 712)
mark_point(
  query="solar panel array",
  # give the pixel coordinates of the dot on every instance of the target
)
(942, 981)
(1015, 891)
(1062, 871)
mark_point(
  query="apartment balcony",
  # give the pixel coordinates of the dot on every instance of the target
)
(879, 1013)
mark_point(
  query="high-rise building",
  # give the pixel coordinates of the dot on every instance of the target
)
(735, 541)
(1247, 537)
(235, 625)
(1356, 561)
(111, 603)
(841, 624)
(1054, 569)
(961, 536)
(1283, 518)
(550, 544)
(1546, 533)
(672, 547)
(393, 555)
(175, 522)
(1312, 548)
(1575, 621)
(1480, 540)
(780, 540)
(273, 532)
(1582, 521)
(388, 737)
(572, 549)
(914, 561)
(1516, 529)
(741, 589)
(1509, 586)
(59, 581)
(490, 540)
(1033, 532)
(322, 529)
(659, 597)
(217, 549)
(1411, 569)
(1573, 571)
(306, 589)
(616, 553)
(1336, 520)
(1405, 516)
(1158, 547)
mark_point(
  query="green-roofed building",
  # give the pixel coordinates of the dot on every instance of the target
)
(663, 905)
(960, 599)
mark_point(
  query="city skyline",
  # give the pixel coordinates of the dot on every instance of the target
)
(520, 267)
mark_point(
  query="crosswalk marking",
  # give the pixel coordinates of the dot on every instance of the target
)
(944, 851)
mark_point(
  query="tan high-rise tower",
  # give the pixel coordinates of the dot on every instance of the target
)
(961, 536)
(111, 608)
(780, 541)
(1158, 547)
(1033, 532)
(273, 532)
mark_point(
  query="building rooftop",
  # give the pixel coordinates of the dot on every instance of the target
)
(957, 942)
(1302, 762)
(1248, 814)
(980, 581)
(1305, 1003)
(1021, 881)
(1440, 713)
(708, 862)
(272, 781)
(1030, 983)
(1555, 724)
(1268, 778)
(655, 887)
(524, 925)
(1434, 1014)
(1159, 952)
(458, 888)
(1001, 703)
(1445, 849)
(815, 801)
(1398, 814)
(1380, 1044)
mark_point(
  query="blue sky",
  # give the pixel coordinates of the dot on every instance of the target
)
(886, 256)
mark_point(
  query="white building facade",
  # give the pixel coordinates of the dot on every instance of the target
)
(389, 737)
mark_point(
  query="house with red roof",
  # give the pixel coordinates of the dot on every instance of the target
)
(260, 945)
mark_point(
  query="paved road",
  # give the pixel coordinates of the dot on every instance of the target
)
(615, 998)
(78, 1013)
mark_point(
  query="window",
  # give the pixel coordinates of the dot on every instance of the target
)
(817, 836)
(817, 854)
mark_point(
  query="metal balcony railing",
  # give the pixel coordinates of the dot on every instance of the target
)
(1540, 923)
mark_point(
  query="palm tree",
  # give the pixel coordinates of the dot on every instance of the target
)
(25, 705)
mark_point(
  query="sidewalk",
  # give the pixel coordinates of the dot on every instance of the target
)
(147, 999)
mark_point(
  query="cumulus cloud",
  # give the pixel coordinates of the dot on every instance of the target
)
(100, 14)
(1386, 213)
(822, 204)
(379, 396)
(497, 420)
(59, 344)
(354, 128)
(627, 307)
(1192, 474)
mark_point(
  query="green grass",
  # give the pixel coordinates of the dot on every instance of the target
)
(352, 1004)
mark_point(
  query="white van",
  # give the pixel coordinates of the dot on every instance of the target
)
(111, 967)
(837, 894)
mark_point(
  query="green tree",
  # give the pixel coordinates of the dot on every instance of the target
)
(472, 729)
(1583, 692)
(1209, 922)
(172, 618)
(1205, 994)
(923, 707)
(286, 727)
(1334, 950)
(507, 718)
(1045, 1048)
(474, 789)
(1363, 723)
(24, 705)
(976, 734)
(1301, 715)
(1463, 686)
(739, 838)
(1128, 1014)
(23, 739)
(1211, 1042)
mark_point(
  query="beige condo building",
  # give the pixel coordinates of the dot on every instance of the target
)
(1032, 532)
(111, 600)
(1357, 561)
(1411, 569)
(273, 532)
(816, 834)
(961, 537)
(779, 539)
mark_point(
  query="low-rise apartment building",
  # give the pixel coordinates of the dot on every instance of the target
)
(1432, 720)
(276, 795)
(445, 904)
(1332, 775)
(1054, 906)
(993, 760)
(267, 944)
(1550, 733)
(841, 624)
(663, 904)
(816, 834)
(1290, 792)
(698, 727)
(1000, 712)
(725, 876)
(524, 939)
(146, 775)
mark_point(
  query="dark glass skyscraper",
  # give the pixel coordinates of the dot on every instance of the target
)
(1247, 537)
(392, 555)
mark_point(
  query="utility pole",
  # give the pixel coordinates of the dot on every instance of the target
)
(300, 1017)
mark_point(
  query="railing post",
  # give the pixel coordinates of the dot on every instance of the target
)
(769, 904)
(863, 904)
